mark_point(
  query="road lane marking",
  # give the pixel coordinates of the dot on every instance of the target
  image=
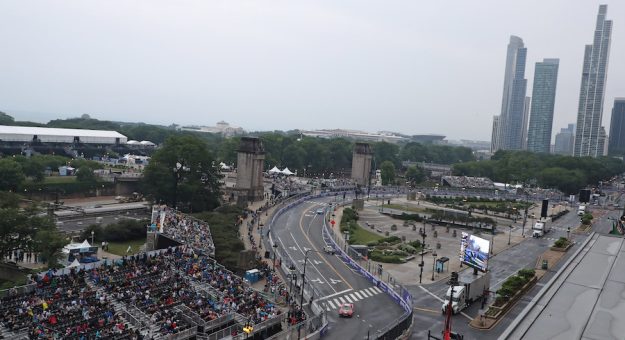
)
(341, 299)
(348, 299)
(331, 304)
(377, 289)
(333, 295)
(358, 295)
(365, 294)
(353, 297)
(441, 300)
(322, 258)
(312, 264)
(426, 310)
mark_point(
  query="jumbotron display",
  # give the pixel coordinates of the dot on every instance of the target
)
(474, 251)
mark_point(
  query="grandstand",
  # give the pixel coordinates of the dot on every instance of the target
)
(174, 293)
(468, 182)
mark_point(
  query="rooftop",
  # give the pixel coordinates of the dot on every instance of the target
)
(583, 301)
(30, 130)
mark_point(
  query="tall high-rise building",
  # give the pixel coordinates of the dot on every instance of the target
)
(564, 141)
(543, 101)
(526, 115)
(494, 142)
(587, 136)
(510, 134)
(617, 128)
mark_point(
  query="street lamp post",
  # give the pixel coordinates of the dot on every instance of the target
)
(177, 169)
(92, 233)
(509, 233)
(346, 239)
(568, 232)
(433, 265)
(275, 248)
(301, 299)
(423, 235)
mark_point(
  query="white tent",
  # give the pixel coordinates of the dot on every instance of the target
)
(287, 172)
(223, 166)
(274, 170)
(85, 244)
(74, 264)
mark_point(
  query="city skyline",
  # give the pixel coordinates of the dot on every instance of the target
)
(275, 67)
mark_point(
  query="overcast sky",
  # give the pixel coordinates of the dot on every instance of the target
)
(407, 66)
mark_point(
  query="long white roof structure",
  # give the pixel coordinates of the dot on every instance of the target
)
(56, 135)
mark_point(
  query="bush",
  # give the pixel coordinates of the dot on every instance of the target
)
(394, 227)
(407, 248)
(527, 274)
(379, 256)
(562, 242)
(124, 230)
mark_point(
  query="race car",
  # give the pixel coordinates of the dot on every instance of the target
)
(346, 310)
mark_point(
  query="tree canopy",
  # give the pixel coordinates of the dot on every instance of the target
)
(566, 173)
(183, 173)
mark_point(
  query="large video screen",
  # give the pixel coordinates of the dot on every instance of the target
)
(474, 251)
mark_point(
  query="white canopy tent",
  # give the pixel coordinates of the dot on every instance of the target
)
(274, 170)
(287, 172)
(74, 264)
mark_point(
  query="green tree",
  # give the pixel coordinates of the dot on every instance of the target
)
(85, 175)
(415, 175)
(5, 119)
(182, 172)
(387, 169)
(11, 175)
(384, 151)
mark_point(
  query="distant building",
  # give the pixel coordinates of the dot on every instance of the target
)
(543, 101)
(617, 128)
(565, 141)
(221, 127)
(591, 94)
(526, 118)
(510, 124)
(382, 136)
(29, 134)
(494, 142)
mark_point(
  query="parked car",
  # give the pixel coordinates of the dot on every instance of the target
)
(346, 310)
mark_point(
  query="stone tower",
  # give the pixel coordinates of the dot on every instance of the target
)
(361, 163)
(250, 163)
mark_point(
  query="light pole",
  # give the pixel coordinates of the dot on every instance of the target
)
(177, 169)
(433, 265)
(346, 239)
(92, 233)
(568, 232)
(423, 235)
(275, 248)
(509, 233)
(301, 299)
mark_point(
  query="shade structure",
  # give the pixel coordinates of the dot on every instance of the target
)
(287, 172)
(274, 170)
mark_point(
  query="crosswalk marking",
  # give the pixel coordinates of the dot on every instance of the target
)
(341, 299)
(377, 289)
(370, 291)
(348, 299)
(365, 294)
(331, 304)
(358, 295)
(353, 297)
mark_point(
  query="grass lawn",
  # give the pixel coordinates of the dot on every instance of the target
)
(59, 179)
(6, 284)
(119, 248)
(362, 236)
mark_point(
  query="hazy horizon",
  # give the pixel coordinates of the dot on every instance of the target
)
(431, 68)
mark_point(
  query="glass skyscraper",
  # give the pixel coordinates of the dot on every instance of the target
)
(587, 137)
(510, 126)
(617, 128)
(543, 101)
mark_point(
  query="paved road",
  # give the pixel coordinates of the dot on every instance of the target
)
(80, 223)
(427, 303)
(299, 230)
